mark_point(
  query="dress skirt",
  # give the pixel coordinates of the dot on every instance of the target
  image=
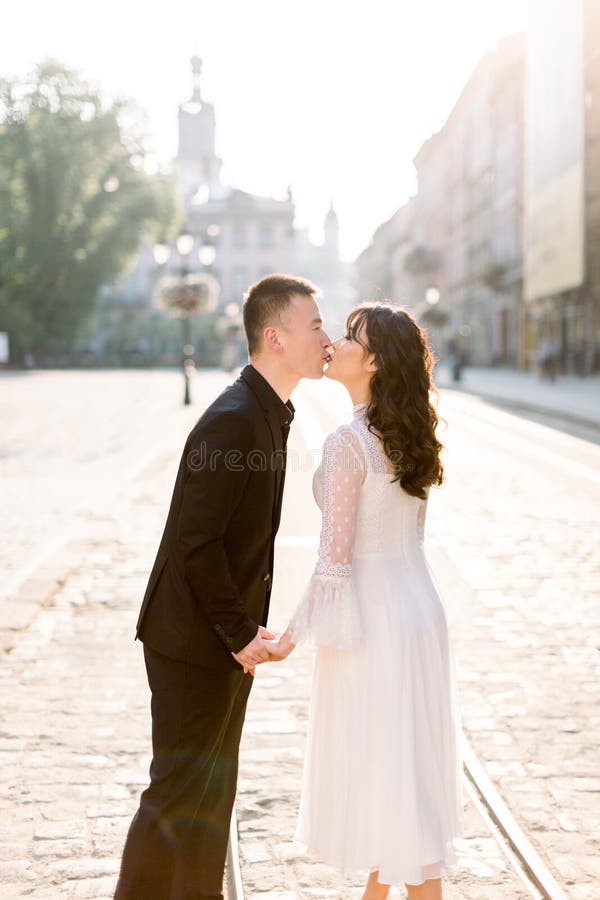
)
(382, 785)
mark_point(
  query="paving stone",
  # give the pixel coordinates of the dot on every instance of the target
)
(83, 868)
(98, 888)
(56, 830)
(58, 849)
(16, 870)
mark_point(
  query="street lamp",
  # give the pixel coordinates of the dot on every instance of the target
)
(185, 245)
(191, 292)
(231, 328)
(432, 296)
(207, 254)
(185, 294)
(161, 252)
(429, 313)
(207, 251)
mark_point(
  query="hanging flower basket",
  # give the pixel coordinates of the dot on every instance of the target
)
(435, 317)
(188, 295)
(431, 316)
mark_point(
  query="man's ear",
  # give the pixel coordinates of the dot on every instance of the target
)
(271, 339)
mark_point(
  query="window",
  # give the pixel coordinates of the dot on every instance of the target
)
(240, 236)
(265, 237)
(240, 279)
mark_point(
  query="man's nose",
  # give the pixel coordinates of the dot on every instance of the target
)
(326, 339)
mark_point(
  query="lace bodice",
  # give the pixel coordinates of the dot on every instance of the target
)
(365, 513)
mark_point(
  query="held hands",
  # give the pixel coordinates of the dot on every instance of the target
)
(264, 648)
(282, 648)
(255, 652)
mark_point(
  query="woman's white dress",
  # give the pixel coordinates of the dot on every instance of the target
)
(382, 776)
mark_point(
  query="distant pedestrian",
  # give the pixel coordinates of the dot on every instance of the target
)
(546, 355)
(455, 358)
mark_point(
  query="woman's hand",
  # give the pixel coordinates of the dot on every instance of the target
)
(281, 649)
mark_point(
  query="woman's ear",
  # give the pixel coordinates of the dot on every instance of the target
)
(371, 364)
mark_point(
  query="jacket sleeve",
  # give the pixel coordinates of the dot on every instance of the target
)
(328, 613)
(216, 477)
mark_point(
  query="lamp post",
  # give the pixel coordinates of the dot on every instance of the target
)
(232, 328)
(184, 296)
(430, 316)
(185, 245)
(430, 313)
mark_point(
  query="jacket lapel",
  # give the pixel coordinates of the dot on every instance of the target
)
(275, 464)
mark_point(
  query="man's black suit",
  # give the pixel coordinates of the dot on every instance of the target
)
(208, 592)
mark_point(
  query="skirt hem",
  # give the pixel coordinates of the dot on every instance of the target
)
(391, 875)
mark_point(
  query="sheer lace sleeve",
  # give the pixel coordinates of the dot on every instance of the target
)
(328, 612)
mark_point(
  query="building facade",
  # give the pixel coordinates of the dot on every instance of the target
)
(469, 209)
(505, 225)
(456, 244)
(587, 360)
(380, 270)
(562, 186)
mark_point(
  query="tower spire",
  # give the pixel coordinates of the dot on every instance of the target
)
(196, 63)
(198, 163)
(331, 229)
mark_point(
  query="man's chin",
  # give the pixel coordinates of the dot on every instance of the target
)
(316, 375)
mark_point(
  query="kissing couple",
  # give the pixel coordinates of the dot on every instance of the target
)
(382, 781)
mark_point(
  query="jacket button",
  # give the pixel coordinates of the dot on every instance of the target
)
(267, 577)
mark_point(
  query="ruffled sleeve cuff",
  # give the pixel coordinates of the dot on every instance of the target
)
(328, 614)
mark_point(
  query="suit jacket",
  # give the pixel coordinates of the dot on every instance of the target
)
(210, 586)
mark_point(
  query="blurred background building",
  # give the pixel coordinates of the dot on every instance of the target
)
(562, 211)
(498, 252)
(236, 236)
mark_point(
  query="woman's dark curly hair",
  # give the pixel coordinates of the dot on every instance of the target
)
(400, 411)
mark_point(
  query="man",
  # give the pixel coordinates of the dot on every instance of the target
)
(204, 613)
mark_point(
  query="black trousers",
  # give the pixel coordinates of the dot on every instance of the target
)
(177, 842)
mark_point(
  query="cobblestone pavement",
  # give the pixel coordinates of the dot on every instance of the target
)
(69, 442)
(515, 531)
(513, 548)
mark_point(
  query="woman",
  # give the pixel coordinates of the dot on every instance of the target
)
(382, 779)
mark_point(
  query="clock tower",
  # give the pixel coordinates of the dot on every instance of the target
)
(199, 166)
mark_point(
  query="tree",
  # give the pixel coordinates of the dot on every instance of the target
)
(75, 203)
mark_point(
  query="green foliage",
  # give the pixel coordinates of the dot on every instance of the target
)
(75, 203)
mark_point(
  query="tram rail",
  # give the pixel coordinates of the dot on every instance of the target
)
(520, 853)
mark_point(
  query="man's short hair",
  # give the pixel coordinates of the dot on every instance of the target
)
(266, 300)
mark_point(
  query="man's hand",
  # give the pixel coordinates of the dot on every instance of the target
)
(255, 652)
(280, 649)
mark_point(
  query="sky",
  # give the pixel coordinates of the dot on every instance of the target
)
(332, 97)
